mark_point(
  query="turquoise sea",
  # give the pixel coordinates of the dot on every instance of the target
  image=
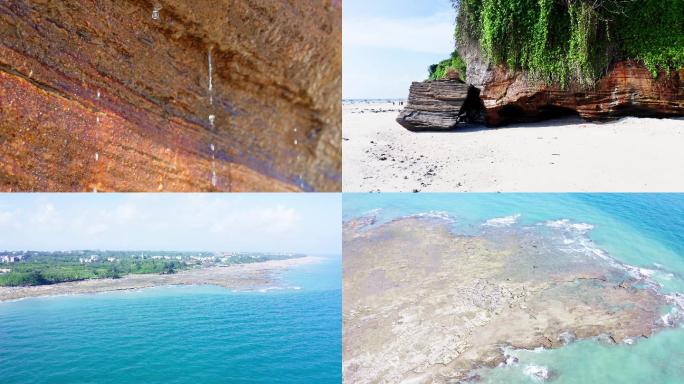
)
(643, 230)
(195, 334)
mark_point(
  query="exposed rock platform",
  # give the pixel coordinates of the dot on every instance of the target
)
(424, 305)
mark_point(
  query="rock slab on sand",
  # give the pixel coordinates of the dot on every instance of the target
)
(433, 105)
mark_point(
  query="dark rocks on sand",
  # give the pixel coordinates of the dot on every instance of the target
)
(434, 105)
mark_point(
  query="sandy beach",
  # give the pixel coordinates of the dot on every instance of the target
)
(239, 277)
(569, 154)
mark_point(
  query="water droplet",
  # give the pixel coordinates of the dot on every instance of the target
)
(97, 119)
(97, 156)
(211, 84)
(295, 141)
(94, 189)
(211, 146)
(211, 120)
(98, 94)
(155, 11)
(213, 178)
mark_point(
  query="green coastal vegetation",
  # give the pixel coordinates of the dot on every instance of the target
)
(564, 41)
(40, 268)
(453, 63)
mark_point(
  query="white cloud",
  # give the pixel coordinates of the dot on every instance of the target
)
(45, 214)
(432, 34)
(270, 220)
(126, 212)
(6, 217)
(95, 228)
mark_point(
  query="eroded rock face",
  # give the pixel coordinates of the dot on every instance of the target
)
(628, 89)
(422, 304)
(119, 95)
(433, 105)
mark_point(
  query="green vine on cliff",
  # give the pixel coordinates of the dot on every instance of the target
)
(453, 64)
(574, 41)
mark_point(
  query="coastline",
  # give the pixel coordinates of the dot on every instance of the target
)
(558, 155)
(243, 277)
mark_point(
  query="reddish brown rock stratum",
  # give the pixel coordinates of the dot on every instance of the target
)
(121, 95)
(628, 89)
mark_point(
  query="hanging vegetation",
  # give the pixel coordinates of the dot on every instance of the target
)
(564, 41)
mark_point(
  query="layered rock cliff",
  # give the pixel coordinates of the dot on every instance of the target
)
(507, 96)
(534, 60)
(628, 89)
(172, 95)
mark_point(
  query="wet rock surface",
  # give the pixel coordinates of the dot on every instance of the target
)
(433, 105)
(423, 304)
(170, 95)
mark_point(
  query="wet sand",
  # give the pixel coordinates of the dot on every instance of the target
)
(422, 304)
(239, 277)
(551, 156)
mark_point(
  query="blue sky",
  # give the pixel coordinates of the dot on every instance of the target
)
(387, 44)
(291, 222)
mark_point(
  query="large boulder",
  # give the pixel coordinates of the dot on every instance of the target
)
(434, 105)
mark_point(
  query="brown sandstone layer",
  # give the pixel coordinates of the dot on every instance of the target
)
(628, 89)
(114, 95)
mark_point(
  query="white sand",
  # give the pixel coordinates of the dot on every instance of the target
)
(630, 154)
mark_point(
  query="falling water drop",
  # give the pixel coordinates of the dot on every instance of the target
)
(155, 11)
(213, 165)
(97, 156)
(211, 120)
(98, 94)
(295, 142)
(94, 189)
(211, 85)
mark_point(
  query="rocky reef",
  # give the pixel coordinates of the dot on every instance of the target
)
(170, 95)
(423, 304)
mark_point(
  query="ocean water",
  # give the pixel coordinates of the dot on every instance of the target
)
(196, 334)
(643, 230)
